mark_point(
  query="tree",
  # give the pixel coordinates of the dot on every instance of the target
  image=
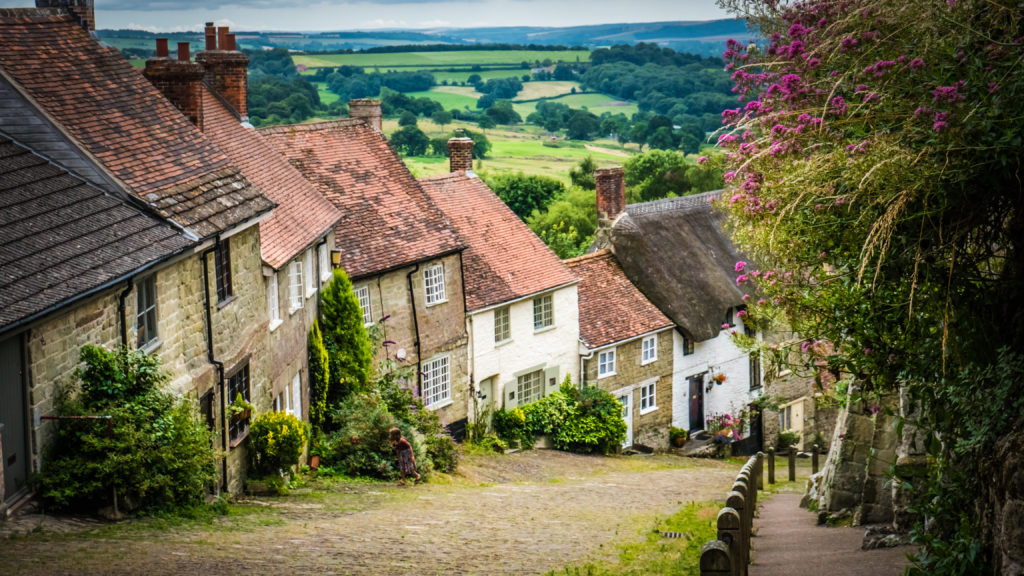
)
(407, 119)
(481, 145)
(410, 141)
(872, 180)
(582, 125)
(319, 375)
(525, 193)
(657, 174)
(583, 174)
(344, 336)
(485, 122)
(502, 112)
(441, 117)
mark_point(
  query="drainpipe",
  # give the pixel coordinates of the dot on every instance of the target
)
(416, 331)
(583, 373)
(219, 365)
(121, 311)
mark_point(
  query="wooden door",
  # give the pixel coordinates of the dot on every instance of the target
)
(696, 401)
(12, 416)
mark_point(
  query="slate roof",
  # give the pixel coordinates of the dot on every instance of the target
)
(387, 221)
(302, 215)
(504, 259)
(61, 238)
(113, 112)
(678, 254)
(612, 309)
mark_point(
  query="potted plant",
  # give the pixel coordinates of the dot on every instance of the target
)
(719, 378)
(678, 436)
(240, 409)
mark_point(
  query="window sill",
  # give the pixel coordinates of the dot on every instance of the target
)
(326, 277)
(503, 343)
(292, 311)
(275, 323)
(310, 293)
(544, 329)
(222, 303)
(648, 410)
(241, 438)
(646, 362)
(368, 324)
(605, 375)
(152, 346)
(440, 405)
(436, 303)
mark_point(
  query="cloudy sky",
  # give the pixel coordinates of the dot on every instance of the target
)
(175, 15)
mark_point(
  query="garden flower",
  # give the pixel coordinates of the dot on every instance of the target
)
(702, 160)
(740, 266)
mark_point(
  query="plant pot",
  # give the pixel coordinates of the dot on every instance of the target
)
(679, 441)
(314, 461)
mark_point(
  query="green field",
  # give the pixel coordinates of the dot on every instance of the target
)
(440, 59)
(451, 97)
(596, 103)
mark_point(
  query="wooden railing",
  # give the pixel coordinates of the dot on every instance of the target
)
(729, 555)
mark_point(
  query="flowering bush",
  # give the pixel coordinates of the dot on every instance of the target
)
(724, 426)
(277, 440)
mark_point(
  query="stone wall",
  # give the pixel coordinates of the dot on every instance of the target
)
(1006, 505)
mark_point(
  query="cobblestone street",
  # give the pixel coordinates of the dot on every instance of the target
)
(524, 513)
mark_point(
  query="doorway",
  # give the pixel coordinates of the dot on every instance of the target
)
(627, 415)
(12, 417)
(696, 401)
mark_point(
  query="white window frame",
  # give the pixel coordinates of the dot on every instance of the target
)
(146, 319)
(543, 312)
(437, 382)
(363, 296)
(274, 302)
(649, 397)
(606, 363)
(310, 281)
(649, 349)
(295, 402)
(325, 262)
(530, 387)
(433, 285)
(502, 324)
(295, 286)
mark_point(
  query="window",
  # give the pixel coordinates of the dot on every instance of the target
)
(433, 284)
(295, 403)
(145, 312)
(687, 346)
(649, 349)
(273, 305)
(530, 387)
(310, 283)
(325, 262)
(755, 371)
(363, 295)
(295, 286)
(786, 418)
(648, 397)
(728, 318)
(606, 363)
(502, 324)
(437, 385)
(238, 383)
(222, 270)
(543, 312)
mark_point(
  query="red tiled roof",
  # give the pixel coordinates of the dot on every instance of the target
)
(302, 214)
(504, 259)
(124, 121)
(612, 309)
(387, 221)
(61, 238)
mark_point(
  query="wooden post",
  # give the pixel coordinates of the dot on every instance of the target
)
(729, 526)
(814, 460)
(737, 501)
(714, 559)
(792, 463)
(771, 465)
(760, 470)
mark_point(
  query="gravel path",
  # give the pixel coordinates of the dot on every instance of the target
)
(524, 513)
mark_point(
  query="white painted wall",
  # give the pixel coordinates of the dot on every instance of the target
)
(719, 354)
(555, 347)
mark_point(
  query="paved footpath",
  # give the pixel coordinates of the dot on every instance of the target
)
(789, 542)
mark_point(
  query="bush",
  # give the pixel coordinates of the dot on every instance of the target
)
(785, 441)
(510, 426)
(360, 445)
(277, 440)
(443, 452)
(159, 458)
(348, 346)
(596, 424)
(319, 375)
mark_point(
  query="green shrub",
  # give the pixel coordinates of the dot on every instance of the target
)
(510, 426)
(277, 440)
(159, 458)
(596, 424)
(443, 452)
(319, 375)
(786, 439)
(344, 336)
(674, 433)
(547, 415)
(360, 445)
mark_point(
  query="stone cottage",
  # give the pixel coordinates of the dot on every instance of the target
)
(404, 259)
(81, 105)
(625, 347)
(521, 300)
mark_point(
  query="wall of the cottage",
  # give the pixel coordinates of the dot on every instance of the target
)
(554, 349)
(650, 428)
(441, 326)
(718, 354)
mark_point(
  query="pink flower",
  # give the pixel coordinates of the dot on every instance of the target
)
(746, 296)
(741, 279)
(742, 313)
(725, 326)
(728, 176)
(740, 266)
(702, 160)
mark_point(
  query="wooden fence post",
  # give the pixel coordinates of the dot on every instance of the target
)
(771, 465)
(760, 470)
(729, 526)
(814, 460)
(714, 559)
(792, 463)
(737, 501)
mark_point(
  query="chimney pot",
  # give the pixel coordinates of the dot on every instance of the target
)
(460, 153)
(161, 48)
(183, 52)
(222, 41)
(226, 68)
(231, 42)
(211, 36)
(367, 109)
(611, 193)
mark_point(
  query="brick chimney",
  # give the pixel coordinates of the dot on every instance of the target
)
(82, 10)
(178, 79)
(367, 109)
(226, 67)
(611, 193)
(460, 153)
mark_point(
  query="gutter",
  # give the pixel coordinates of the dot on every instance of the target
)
(121, 312)
(219, 365)
(416, 331)
(383, 271)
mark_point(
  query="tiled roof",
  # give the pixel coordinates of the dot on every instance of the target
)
(387, 221)
(61, 237)
(302, 214)
(504, 259)
(612, 309)
(124, 121)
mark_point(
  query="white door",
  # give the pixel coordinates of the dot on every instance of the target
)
(627, 415)
(296, 403)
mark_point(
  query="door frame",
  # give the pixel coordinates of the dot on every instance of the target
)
(627, 415)
(696, 395)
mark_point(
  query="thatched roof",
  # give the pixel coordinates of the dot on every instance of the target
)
(676, 251)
